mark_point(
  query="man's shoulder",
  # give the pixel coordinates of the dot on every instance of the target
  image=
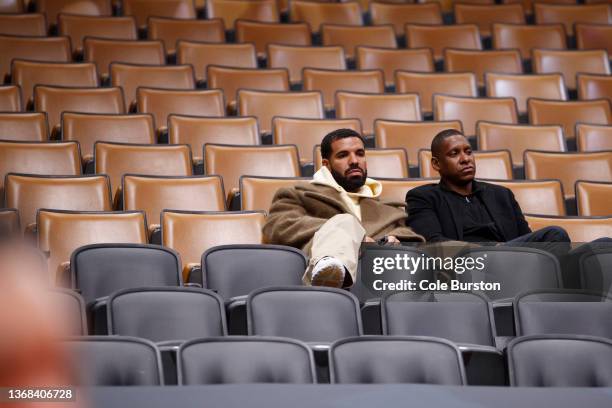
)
(494, 188)
(426, 189)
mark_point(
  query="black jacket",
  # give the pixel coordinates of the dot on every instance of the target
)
(431, 214)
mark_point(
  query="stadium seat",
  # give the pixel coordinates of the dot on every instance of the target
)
(518, 138)
(28, 74)
(231, 10)
(114, 361)
(61, 232)
(24, 127)
(171, 30)
(528, 37)
(568, 114)
(570, 14)
(399, 15)
(306, 133)
(9, 223)
(243, 360)
(483, 62)
(560, 361)
(428, 84)
(263, 34)
(580, 229)
(267, 105)
(331, 81)
(296, 58)
(395, 190)
(77, 27)
(569, 63)
(370, 107)
(162, 103)
(439, 37)
(595, 271)
(544, 197)
(470, 110)
(88, 128)
(52, 8)
(131, 76)
(485, 15)
(489, 164)
(141, 10)
(349, 37)
(197, 131)
(55, 100)
(522, 87)
(201, 55)
(594, 86)
(69, 308)
(192, 233)
(102, 52)
(257, 193)
(390, 60)
(389, 163)
(591, 138)
(593, 198)
(31, 24)
(44, 49)
(593, 36)
(316, 14)
(412, 136)
(10, 98)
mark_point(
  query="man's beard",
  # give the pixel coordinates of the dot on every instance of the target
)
(351, 184)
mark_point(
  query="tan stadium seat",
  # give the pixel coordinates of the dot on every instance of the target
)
(579, 229)
(141, 10)
(201, 55)
(153, 194)
(10, 98)
(9, 223)
(231, 80)
(117, 159)
(484, 15)
(162, 103)
(257, 193)
(266, 105)
(411, 136)
(331, 81)
(401, 14)
(192, 233)
(568, 114)
(130, 77)
(518, 138)
(78, 27)
(388, 163)
(427, 84)
(307, 133)
(528, 37)
(24, 127)
(171, 30)
(12, 6)
(30, 193)
(594, 36)
(349, 37)
(568, 167)
(591, 138)
(489, 165)
(263, 34)
(231, 10)
(570, 14)
(52, 49)
(594, 86)
(296, 58)
(471, 110)
(369, 107)
(483, 62)
(593, 198)
(390, 60)
(28, 74)
(61, 232)
(395, 190)
(58, 159)
(528, 4)
(197, 131)
(523, 87)
(31, 24)
(52, 8)
(317, 14)
(439, 37)
(231, 162)
(88, 128)
(56, 100)
(543, 197)
(102, 52)
(570, 63)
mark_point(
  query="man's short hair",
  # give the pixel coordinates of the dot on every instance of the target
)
(436, 143)
(331, 137)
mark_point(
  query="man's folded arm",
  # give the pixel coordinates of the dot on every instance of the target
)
(422, 218)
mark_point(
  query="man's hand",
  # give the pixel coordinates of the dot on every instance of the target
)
(369, 239)
(392, 240)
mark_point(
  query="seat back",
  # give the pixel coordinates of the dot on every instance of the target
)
(483, 62)
(171, 30)
(24, 127)
(593, 198)
(102, 52)
(579, 229)
(523, 87)
(263, 34)
(9, 223)
(349, 37)
(54, 49)
(390, 163)
(316, 14)
(568, 114)
(528, 37)
(596, 271)
(399, 15)
(395, 190)
(570, 63)
(52, 8)
(68, 308)
(33, 24)
(390, 60)
(570, 14)
(439, 37)
(201, 55)
(141, 10)
(257, 193)
(296, 58)
(543, 197)
(496, 164)
(593, 36)
(231, 10)
(592, 86)
(77, 27)
(484, 15)
(10, 98)
(590, 138)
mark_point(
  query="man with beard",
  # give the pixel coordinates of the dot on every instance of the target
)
(329, 217)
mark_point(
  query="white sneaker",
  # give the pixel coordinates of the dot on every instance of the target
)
(328, 271)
